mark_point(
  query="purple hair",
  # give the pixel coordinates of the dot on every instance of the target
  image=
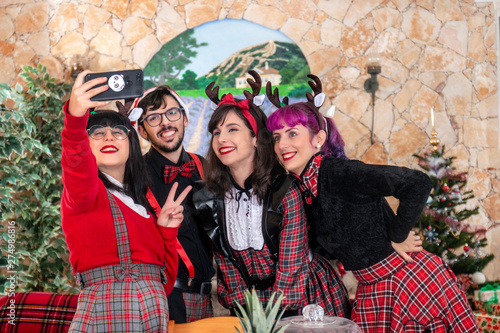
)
(301, 113)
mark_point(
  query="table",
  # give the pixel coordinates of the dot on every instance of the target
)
(207, 325)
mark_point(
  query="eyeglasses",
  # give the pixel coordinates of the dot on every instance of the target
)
(97, 132)
(155, 119)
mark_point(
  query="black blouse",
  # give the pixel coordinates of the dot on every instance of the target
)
(350, 216)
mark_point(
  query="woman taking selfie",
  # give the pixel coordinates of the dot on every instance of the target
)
(123, 255)
(396, 292)
(254, 215)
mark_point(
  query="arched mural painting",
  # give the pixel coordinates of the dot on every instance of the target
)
(224, 51)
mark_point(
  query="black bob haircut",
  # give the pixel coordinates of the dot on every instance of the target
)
(135, 180)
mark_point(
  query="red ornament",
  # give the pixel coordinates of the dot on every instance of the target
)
(446, 188)
(466, 247)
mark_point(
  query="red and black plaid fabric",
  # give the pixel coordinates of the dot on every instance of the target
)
(117, 273)
(37, 312)
(121, 298)
(326, 289)
(171, 171)
(302, 282)
(128, 305)
(197, 306)
(290, 270)
(396, 296)
(121, 232)
(310, 179)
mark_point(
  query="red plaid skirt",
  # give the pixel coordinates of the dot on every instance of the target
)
(326, 289)
(133, 303)
(396, 296)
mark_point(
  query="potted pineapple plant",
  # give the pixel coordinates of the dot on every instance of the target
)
(255, 319)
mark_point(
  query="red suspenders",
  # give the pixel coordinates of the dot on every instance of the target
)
(180, 250)
(198, 164)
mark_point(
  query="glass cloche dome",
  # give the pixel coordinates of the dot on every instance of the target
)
(313, 320)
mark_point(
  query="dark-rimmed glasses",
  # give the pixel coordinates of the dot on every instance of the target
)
(155, 119)
(97, 132)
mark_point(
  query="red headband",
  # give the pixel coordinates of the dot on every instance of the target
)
(243, 105)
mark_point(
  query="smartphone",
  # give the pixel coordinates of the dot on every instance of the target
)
(122, 84)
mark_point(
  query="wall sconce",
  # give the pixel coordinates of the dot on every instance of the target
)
(77, 65)
(371, 85)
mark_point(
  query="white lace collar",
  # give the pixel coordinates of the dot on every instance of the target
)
(244, 220)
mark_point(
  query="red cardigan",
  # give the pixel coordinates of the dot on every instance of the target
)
(86, 214)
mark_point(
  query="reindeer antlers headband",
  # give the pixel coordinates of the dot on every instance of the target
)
(254, 100)
(317, 100)
(122, 107)
(274, 97)
(313, 101)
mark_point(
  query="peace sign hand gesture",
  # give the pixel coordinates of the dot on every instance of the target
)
(171, 214)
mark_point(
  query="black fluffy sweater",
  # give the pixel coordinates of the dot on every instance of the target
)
(351, 218)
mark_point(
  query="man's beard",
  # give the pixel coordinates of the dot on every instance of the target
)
(165, 146)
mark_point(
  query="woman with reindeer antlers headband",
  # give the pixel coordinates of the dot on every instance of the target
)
(344, 200)
(123, 255)
(254, 214)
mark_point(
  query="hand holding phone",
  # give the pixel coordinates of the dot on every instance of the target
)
(82, 92)
(122, 84)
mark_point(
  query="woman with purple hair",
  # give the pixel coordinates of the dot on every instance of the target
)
(253, 214)
(351, 220)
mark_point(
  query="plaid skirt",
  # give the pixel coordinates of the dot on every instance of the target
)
(396, 296)
(326, 289)
(116, 301)
(197, 306)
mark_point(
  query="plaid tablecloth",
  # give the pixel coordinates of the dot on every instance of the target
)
(37, 312)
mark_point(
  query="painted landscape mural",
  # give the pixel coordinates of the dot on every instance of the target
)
(224, 51)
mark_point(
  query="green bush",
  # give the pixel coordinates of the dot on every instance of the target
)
(299, 91)
(34, 252)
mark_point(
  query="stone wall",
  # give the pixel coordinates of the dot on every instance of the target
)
(437, 54)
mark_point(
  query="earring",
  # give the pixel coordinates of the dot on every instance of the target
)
(318, 146)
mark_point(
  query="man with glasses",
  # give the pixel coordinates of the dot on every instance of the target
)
(163, 122)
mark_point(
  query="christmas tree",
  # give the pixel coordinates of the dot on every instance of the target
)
(443, 222)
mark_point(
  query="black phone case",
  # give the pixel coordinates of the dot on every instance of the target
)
(132, 85)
